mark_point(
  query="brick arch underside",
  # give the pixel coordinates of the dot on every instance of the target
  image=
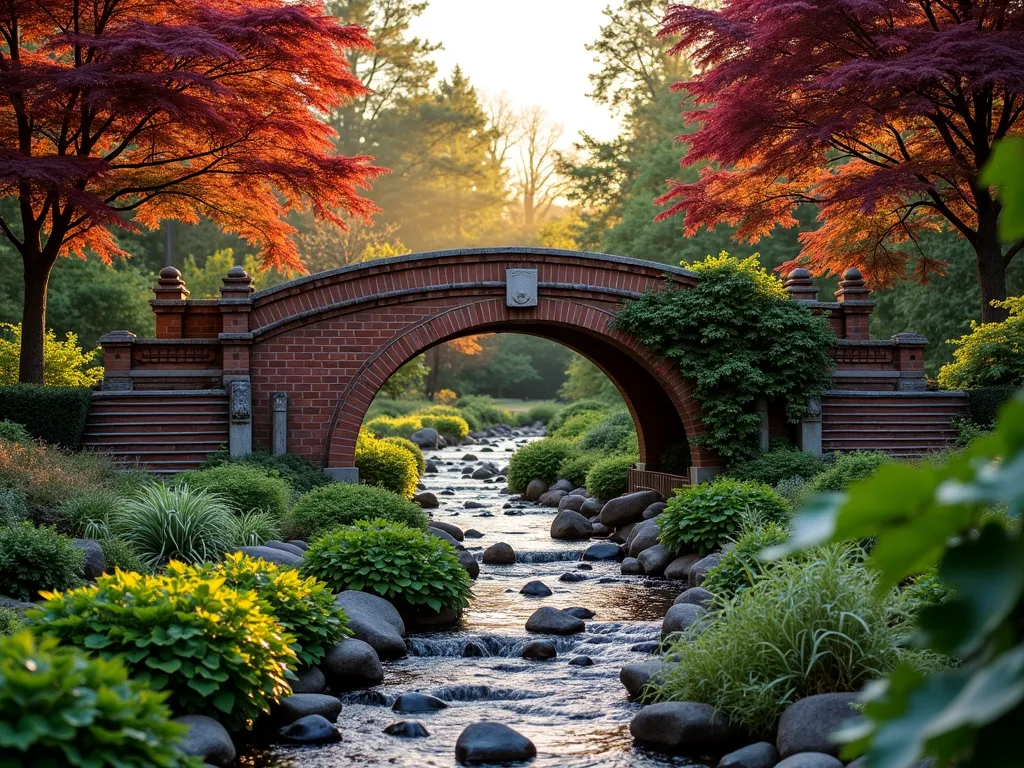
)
(333, 366)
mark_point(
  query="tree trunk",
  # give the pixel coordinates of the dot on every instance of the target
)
(33, 320)
(991, 274)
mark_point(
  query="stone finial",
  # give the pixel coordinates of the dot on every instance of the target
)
(852, 287)
(170, 286)
(801, 286)
(236, 284)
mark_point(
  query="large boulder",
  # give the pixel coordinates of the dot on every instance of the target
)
(468, 561)
(552, 498)
(655, 559)
(499, 554)
(492, 743)
(312, 729)
(350, 665)
(562, 485)
(299, 705)
(695, 596)
(551, 621)
(452, 530)
(679, 569)
(760, 755)
(591, 507)
(573, 502)
(571, 525)
(206, 739)
(309, 680)
(629, 508)
(700, 569)
(683, 726)
(285, 546)
(807, 725)
(654, 510)
(271, 555)
(631, 567)
(374, 620)
(634, 677)
(643, 536)
(621, 534)
(810, 760)
(536, 489)
(407, 703)
(427, 500)
(445, 536)
(681, 617)
(426, 437)
(603, 551)
(95, 563)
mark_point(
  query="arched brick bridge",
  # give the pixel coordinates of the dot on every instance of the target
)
(300, 363)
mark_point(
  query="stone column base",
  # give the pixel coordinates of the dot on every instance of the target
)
(343, 474)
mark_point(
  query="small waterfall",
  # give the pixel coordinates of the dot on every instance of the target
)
(550, 556)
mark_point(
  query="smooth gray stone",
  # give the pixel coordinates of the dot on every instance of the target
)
(581, 661)
(651, 646)
(810, 760)
(643, 536)
(352, 664)
(311, 729)
(271, 555)
(536, 588)
(207, 739)
(679, 569)
(482, 473)
(452, 530)
(807, 725)
(417, 702)
(681, 617)
(499, 554)
(571, 526)
(427, 500)
(374, 620)
(551, 621)
(445, 536)
(603, 551)
(631, 567)
(285, 547)
(580, 613)
(95, 562)
(540, 650)
(551, 498)
(683, 726)
(468, 561)
(309, 680)
(299, 705)
(695, 596)
(298, 543)
(628, 508)
(492, 743)
(572, 578)
(654, 510)
(655, 559)
(407, 729)
(573, 502)
(635, 676)
(473, 533)
(562, 485)
(700, 569)
(426, 437)
(536, 489)
(760, 755)
(591, 507)
(621, 534)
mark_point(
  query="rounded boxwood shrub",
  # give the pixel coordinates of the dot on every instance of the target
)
(610, 434)
(574, 409)
(323, 509)
(393, 426)
(386, 466)
(213, 648)
(13, 507)
(772, 467)
(609, 477)
(704, 517)
(846, 469)
(37, 559)
(300, 473)
(244, 488)
(14, 432)
(740, 567)
(414, 450)
(542, 412)
(575, 467)
(163, 523)
(10, 621)
(541, 459)
(448, 426)
(574, 428)
(60, 707)
(404, 565)
(304, 607)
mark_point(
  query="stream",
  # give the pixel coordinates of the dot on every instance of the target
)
(578, 717)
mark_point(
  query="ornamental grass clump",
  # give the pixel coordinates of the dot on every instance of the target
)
(214, 649)
(251, 529)
(703, 517)
(62, 707)
(401, 564)
(541, 459)
(37, 559)
(326, 508)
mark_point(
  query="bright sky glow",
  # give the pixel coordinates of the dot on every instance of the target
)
(532, 50)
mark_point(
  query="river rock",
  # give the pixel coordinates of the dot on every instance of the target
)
(492, 743)
(808, 723)
(426, 437)
(581, 661)
(650, 646)
(562, 485)
(551, 498)
(570, 525)
(473, 533)
(468, 561)
(417, 702)
(374, 620)
(469, 457)
(591, 507)
(700, 569)
(810, 760)
(430, 468)
(621, 534)
(271, 555)
(643, 536)
(580, 613)
(655, 559)
(601, 530)
(299, 705)
(536, 489)
(482, 473)
(654, 510)
(311, 729)
(298, 543)
(445, 536)
(635, 676)
(760, 755)
(352, 664)
(536, 589)
(427, 500)
(679, 569)
(539, 650)
(683, 726)
(407, 729)
(309, 680)
(207, 739)
(695, 596)
(452, 530)
(285, 547)
(629, 508)
(570, 578)
(680, 618)
(575, 503)
(95, 563)
(499, 554)
(551, 621)
(603, 551)
(631, 567)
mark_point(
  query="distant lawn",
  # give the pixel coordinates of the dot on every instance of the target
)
(518, 406)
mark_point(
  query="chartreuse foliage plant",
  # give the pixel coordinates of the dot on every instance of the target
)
(575, 409)
(992, 354)
(401, 564)
(215, 649)
(413, 450)
(300, 474)
(739, 338)
(541, 459)
(940, 514)
(36, 559)
(323, 509)
(386, 465)
(62, 707)
(304, 607)
(575, 427)
(446, 425)
(703, 517)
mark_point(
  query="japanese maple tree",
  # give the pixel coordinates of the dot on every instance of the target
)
(880, 112)
(123, 113)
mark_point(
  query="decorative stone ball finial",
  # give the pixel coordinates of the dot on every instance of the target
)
(852, 286)
(170, 286)
(800, 285)
(236, 284)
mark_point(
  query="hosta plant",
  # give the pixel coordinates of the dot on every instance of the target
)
(213, 648)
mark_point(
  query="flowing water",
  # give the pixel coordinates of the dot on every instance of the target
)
(578, 717)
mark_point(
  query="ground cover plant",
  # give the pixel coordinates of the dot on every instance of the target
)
(37, 559)
(337, 504)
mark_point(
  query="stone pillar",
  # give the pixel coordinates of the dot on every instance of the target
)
(279, 400)
(910, 358)
(169, 304)
(235, 306)
(703, 474)
(801, 286)
(240, 426)
(764, 438)
(117, 361)
(855, 304)
(810, 428)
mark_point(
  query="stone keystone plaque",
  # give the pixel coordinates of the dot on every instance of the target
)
(521, 288)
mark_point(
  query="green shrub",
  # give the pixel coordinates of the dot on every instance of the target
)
(793, 490)
(10, 622)
(777, 465)
(13, 507)
(574, 409)
(576, 426)
(120, 554)
(304, 607)
(47, 476)
(984, 404)
(34, 559)
(447, 426)
(14, 432)
(481, 412)
(251, 529)
(323, 509)
(703, 517)
(610, 435)
(805, 627)
(542, 412)
(87, 514)
(404, 565)
(165, 523)
(541, 459)
(609, 477)
(414, 450)
(243, 488)
(61, 707)
(387, 466)
(53, 414)
(847, 468)
(211, 647)
(387, 426)
(576, 466)
(991, 355)
(740, 567)
(392, 407)
(301, 474)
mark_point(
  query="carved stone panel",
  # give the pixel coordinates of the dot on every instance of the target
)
(521, 288)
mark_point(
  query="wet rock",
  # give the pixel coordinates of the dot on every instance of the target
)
(445, 536)
(570, 525)
(679, 569)
(482, 473)
(655, 559)
(806, 726)
(417, 702)
(423, 617)
(375, 621)
(426, 438)
(492, 743)
(631, 567)
(499, 554)
(536, 589)
(601, 530)
(551, 498)
(551, 621)
(629, 508)
(634, 677)
(562, 485)
(621, 534)
(575, 503)
(285, 547)
(407, 729)
(643, 536)
(810, 760)
(427, 500)
(473, 533)
(603, 551)
(536, 489)
(581, 661)
(680, 618)
(469, 457)
(420, 486)
(700, 569)
(430, 468)
(682, 726)
(298, 543)
(206, 739)
(474, 505)
(651, 646)
(299, 705)
(469, 562)
(352, 664)
(654, 510)
(571, 578)
(312, 729)
(473, 650)
(540, 650)
(695, 596)
(760, 755)
(95, 563)
(18, 606)
(584, 567)
(452, 530)
(272, 555)
(591, 507)
(580, 613)
(309, 680)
